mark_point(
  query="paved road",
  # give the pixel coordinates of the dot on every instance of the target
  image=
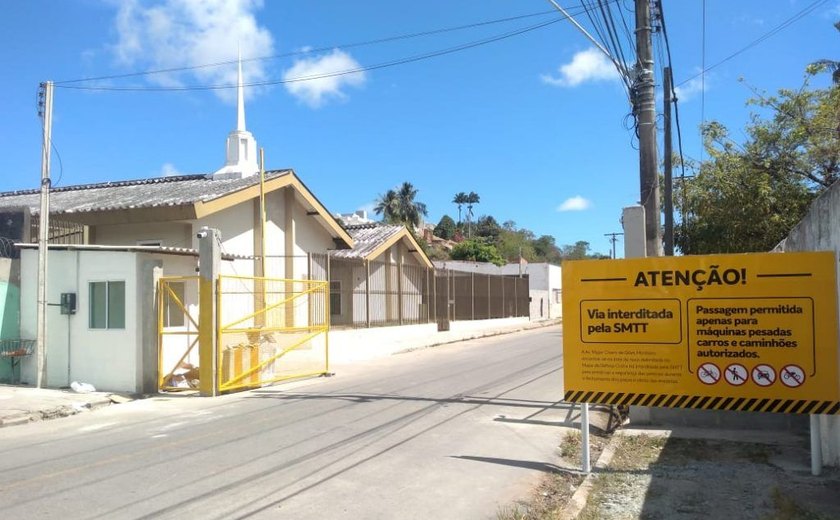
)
(450, 432)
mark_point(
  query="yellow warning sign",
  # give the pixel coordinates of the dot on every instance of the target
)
(744, 328)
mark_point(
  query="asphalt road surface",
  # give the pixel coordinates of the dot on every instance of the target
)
(453, 432)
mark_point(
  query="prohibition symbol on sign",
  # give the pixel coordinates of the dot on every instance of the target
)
(763, 375)
(708, 373)
(792, 375)
(736, 374)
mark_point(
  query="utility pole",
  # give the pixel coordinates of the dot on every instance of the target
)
(45, 103)
(645, 109)
(669, 191)
(613, 240)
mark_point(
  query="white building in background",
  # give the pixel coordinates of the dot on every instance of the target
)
(545, 285)
(357, 218)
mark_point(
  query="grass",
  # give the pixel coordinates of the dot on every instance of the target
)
(786, 508)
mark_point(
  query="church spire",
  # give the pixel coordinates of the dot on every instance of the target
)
(241, 149)
(240, 95)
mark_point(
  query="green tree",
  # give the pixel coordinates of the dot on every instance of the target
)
(546, 250)
(477, 251)
(471, 200)
(578, 251)
(747, 197)
(388, 205)
(445, 228)
(486, 227)
(399, 206)
(460, 199)
(413, 211)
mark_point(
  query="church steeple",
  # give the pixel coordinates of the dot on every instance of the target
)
(240, 96)
(241, 156)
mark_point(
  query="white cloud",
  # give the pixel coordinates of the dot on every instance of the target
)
(576, 203)
(314, 92)
(369, 208)
(169, 170)
(186, 33)
(588, 65)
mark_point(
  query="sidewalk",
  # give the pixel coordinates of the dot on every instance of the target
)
(21, 404)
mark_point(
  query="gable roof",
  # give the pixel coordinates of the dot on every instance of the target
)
(372, 240)
(184, 197)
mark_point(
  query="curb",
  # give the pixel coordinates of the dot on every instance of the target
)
(578, 501)
(14, 420)
(480, 335)
(53, 412)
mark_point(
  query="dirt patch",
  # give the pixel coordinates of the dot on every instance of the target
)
(556, 488)
(656, 477)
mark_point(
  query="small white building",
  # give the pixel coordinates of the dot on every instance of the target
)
(545, 285)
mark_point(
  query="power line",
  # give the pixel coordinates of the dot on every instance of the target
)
(324, 48)
(401, 61)
(784, 25)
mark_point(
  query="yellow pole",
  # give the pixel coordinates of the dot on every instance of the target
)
(160, 300)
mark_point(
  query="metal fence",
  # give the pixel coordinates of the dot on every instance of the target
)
(371, 294)
(61, 232)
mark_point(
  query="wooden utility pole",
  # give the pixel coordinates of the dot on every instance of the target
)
(644, 106)
(613, 239)
(45, 103)
(669, 192)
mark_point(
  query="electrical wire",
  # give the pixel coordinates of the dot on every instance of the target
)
(324, 48)
(392, 63)
(784, 25)
(60, 165)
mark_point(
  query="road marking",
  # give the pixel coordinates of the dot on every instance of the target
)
(95, 427)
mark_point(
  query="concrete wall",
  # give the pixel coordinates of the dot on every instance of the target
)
(106, 358)
(820, 231)
(360, 344)
(172, 234)
(123, 360)
(9, 308)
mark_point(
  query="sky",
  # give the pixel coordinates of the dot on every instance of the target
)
(534, 122)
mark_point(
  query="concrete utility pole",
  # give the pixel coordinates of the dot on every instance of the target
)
(45, 103)
(644, 106)
(209, 268)
(669, 191)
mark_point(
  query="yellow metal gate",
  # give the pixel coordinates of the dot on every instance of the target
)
(270, 329)
(178, 332)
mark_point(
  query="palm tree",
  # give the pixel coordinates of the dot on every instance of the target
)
(411, 211)
(472, 198)
(460, 199)
(388, 205)
(397, 206)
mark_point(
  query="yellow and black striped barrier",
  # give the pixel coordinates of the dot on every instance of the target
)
(739, 404)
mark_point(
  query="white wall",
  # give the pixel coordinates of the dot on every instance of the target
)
(75, 352)
(820, 231)
(349, 345)
(171, 234)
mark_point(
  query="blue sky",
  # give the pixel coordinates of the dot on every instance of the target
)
(533, 123)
